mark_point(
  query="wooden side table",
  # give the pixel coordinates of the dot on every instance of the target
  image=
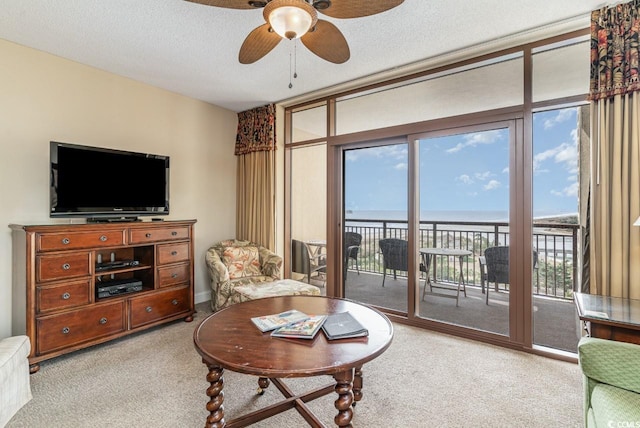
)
(610, 318)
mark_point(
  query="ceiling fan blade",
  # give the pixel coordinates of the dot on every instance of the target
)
(358, 8)
(257, 44)
(327, 42)
(230, 4)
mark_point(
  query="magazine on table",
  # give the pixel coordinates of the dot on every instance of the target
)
(273, 321)
(343, 325)
(305, 329)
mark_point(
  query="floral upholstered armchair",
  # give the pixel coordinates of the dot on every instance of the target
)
(234, 263)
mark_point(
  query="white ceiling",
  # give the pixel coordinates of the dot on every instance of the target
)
(192, 49)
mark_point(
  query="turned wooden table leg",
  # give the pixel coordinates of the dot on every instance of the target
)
(216, 397)
(344, 382)
(263, 383)
(357, 386)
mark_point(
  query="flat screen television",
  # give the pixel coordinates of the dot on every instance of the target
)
(106, 184)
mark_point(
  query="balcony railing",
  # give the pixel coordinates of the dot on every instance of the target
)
(555, 273)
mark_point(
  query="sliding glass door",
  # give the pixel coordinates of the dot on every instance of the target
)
(464, 182)
(375, 225)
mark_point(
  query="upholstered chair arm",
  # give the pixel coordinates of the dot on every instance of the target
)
(219, 275)
(611, 362)
(271, 263)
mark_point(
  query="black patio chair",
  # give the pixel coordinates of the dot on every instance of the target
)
(494, 267)
(394, 256)
(352, 241)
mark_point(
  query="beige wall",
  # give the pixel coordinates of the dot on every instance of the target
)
(43, 98)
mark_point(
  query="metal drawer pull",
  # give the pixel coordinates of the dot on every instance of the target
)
(174, 302)
(174, 233)
(174, 275)
(148, 235)
(103, 320)
(148, 309)
(66, 266)
(65, 330)
(65, 241)
(174, 253)
(66, 296)
(103, 238)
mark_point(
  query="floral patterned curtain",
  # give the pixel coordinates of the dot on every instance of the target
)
(256, 130)
(614, 50)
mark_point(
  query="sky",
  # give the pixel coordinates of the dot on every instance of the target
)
(470, 172)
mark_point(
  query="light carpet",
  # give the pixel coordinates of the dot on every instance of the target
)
(425, 379)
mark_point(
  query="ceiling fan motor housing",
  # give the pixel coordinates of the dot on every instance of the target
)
(278, 14)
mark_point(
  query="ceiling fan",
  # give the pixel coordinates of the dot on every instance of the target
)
(293, 19)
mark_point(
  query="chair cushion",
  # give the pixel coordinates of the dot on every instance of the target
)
(241, 261)
(617, 405)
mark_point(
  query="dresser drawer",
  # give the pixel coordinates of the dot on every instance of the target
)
(60, 331)
(61, 296)
(163, 304)
(172, 253)
(174, 274)
(62, 266)
(155, 234)
(77, 240)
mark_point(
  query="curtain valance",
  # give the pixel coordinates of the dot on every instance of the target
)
(256, 130)
(614, 50)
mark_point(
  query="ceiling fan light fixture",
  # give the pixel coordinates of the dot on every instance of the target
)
(290, 19)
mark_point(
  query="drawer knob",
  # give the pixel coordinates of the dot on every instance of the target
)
(174, 233)
(65, 241)
(148, 235)
(174, 275)
(103, 320)
(66, 296)
(65, 330)
(103, 238)
(174, 253)
(148, 309)
(66, 266)
(174, 302)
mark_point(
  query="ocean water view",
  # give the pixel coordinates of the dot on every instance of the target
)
(457, 216)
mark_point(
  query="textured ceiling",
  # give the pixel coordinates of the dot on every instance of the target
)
(192, 49)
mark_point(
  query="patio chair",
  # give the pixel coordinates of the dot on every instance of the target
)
(394, 256)
(494, 267)
(352, 241)
(304, 261)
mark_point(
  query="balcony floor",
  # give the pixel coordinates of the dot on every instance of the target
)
(556, 324)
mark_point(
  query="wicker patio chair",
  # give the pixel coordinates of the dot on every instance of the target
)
(352, 241)
(494, 267)
(394, 256)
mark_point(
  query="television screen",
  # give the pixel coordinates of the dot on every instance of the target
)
(99, 182)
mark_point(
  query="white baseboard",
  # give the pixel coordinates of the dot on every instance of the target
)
(203, 296)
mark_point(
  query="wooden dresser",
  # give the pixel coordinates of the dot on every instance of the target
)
(78, 285)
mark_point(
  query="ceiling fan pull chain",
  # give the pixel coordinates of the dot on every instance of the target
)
(295, 60)
(290, 84)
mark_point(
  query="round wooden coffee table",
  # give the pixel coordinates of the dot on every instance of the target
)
(229, 340)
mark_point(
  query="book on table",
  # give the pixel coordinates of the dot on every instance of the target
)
(273, 321)
(343, 325)
(306, 329)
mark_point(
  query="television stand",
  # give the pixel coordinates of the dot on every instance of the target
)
(112, 219)
(78, 285)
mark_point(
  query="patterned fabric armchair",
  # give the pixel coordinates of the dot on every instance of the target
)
(611, 373)
(232, 264)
